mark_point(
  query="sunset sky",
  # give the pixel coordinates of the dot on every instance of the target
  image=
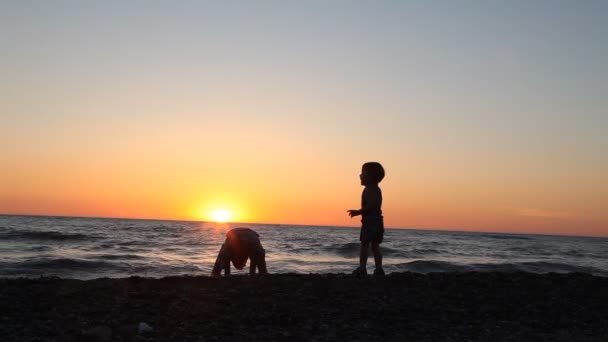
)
(487, 115)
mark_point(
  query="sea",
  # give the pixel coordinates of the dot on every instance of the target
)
(88, 248)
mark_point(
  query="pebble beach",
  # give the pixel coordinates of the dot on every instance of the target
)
(407, 306)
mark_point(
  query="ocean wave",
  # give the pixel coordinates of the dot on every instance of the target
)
(505, 236)
(89, 269)
(61, 266)
(425, 251)
(120, 257)
(40, 249)
(435, 243)
(583, 254)
(535, 250)
(430, 266)
(352, 249)
(134, 243)
(163, 270)
(53, 264)
(544, 267)
(43, 235)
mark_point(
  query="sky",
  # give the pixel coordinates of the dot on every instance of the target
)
(487, 115)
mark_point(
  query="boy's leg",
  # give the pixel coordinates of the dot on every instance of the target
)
(377, 255)
(258, 259)
(363, 254)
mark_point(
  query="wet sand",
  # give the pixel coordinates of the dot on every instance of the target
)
(329, 307)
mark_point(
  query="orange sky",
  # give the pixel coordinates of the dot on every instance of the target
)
(298, 188)
(176, 111)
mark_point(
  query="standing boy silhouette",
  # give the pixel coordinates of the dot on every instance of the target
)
(372, 222)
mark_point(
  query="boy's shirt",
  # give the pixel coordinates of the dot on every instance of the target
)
(242, 243)
(371, 201)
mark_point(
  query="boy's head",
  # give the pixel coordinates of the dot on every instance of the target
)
(371, 173)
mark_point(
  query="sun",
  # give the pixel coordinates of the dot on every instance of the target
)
(221, 215)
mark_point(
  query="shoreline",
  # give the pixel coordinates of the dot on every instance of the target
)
(315, 307)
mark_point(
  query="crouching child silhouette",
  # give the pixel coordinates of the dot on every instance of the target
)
(372, 222)
(241, 244)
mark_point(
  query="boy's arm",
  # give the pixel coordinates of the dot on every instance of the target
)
(252, 265)
(261, 263)
(371, 199)
(222, 262)
(354, 212)
(227, 267)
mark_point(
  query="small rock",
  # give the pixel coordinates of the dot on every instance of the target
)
(144, 328)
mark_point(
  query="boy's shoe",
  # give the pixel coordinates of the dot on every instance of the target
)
(360, 271)
(379, 272)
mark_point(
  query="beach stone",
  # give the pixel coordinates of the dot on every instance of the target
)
(465, 307)
(144, 328)
(98, 333)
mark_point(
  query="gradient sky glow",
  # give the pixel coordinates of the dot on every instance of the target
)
(487, 115)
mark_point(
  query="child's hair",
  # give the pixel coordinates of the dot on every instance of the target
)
(375, 170)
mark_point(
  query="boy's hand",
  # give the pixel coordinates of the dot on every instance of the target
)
(354, 212)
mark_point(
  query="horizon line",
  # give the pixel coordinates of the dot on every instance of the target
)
(303, 225)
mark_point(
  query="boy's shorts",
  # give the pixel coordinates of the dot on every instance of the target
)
(372, 229)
